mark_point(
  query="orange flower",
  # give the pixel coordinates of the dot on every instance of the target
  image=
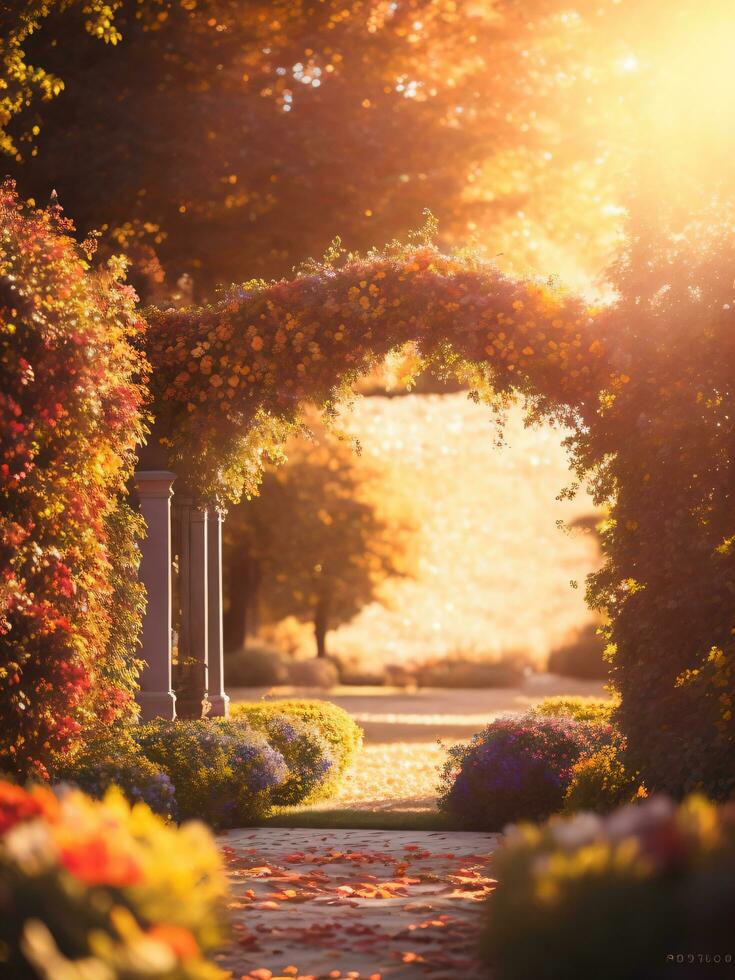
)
(179, 940)
(94, 862)
(18, 805)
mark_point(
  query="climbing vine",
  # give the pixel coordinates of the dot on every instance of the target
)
(644, 385)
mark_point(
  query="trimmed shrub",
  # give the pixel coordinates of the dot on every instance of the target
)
(307, 753)
(99, 889)
(460, 672)
(70, 399)
(579, 708)
(600, 782)
(224, 775)
(316, 672)
(640, 894)
(256, 666)
(582, 657)
(516, 768)
(343, 735)
(117, 760)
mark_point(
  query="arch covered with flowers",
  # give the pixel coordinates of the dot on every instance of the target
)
(644, 385)
(231, 378)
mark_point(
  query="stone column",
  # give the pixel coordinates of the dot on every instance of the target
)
(191, 523)
(155, 696)
(198, 591)
(182, 507)
(216, 685)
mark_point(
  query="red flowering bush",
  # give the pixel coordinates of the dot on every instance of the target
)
(516, 768)
(97, 888)
(70, 401)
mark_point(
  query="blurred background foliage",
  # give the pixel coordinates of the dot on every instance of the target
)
(228, 140)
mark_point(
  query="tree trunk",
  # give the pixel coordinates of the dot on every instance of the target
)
(243, 583)
(321, 625)
(235, 619)
(254, 579)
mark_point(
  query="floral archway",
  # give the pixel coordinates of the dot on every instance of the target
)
(642, 383)
(231, 380)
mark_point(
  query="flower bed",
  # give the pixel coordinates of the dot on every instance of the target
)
(341, 733)
(229, 772)
(117, 760)
(224, 775)
(643, 894)
(516, 768)
(306, 752)
(100, 889)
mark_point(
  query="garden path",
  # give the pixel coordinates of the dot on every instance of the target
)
(374, 905)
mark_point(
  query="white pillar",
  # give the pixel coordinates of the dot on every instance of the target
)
(182, 506)
(155, 696)
(216, 685)
(198, 592)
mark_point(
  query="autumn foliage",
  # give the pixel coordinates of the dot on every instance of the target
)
(320, 541)
(70, 417)
(271, 123)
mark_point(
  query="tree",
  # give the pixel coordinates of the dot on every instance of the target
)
(235, 139)
(25, 84)
(317, 540)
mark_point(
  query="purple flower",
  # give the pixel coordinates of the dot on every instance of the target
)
(516, 768)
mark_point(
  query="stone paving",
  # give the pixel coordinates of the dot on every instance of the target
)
(374, 905)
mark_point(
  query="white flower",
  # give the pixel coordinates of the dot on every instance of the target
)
(636, 817)
(578, 831)
(30, 845)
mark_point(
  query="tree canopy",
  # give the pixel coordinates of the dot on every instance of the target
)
(235, 139)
